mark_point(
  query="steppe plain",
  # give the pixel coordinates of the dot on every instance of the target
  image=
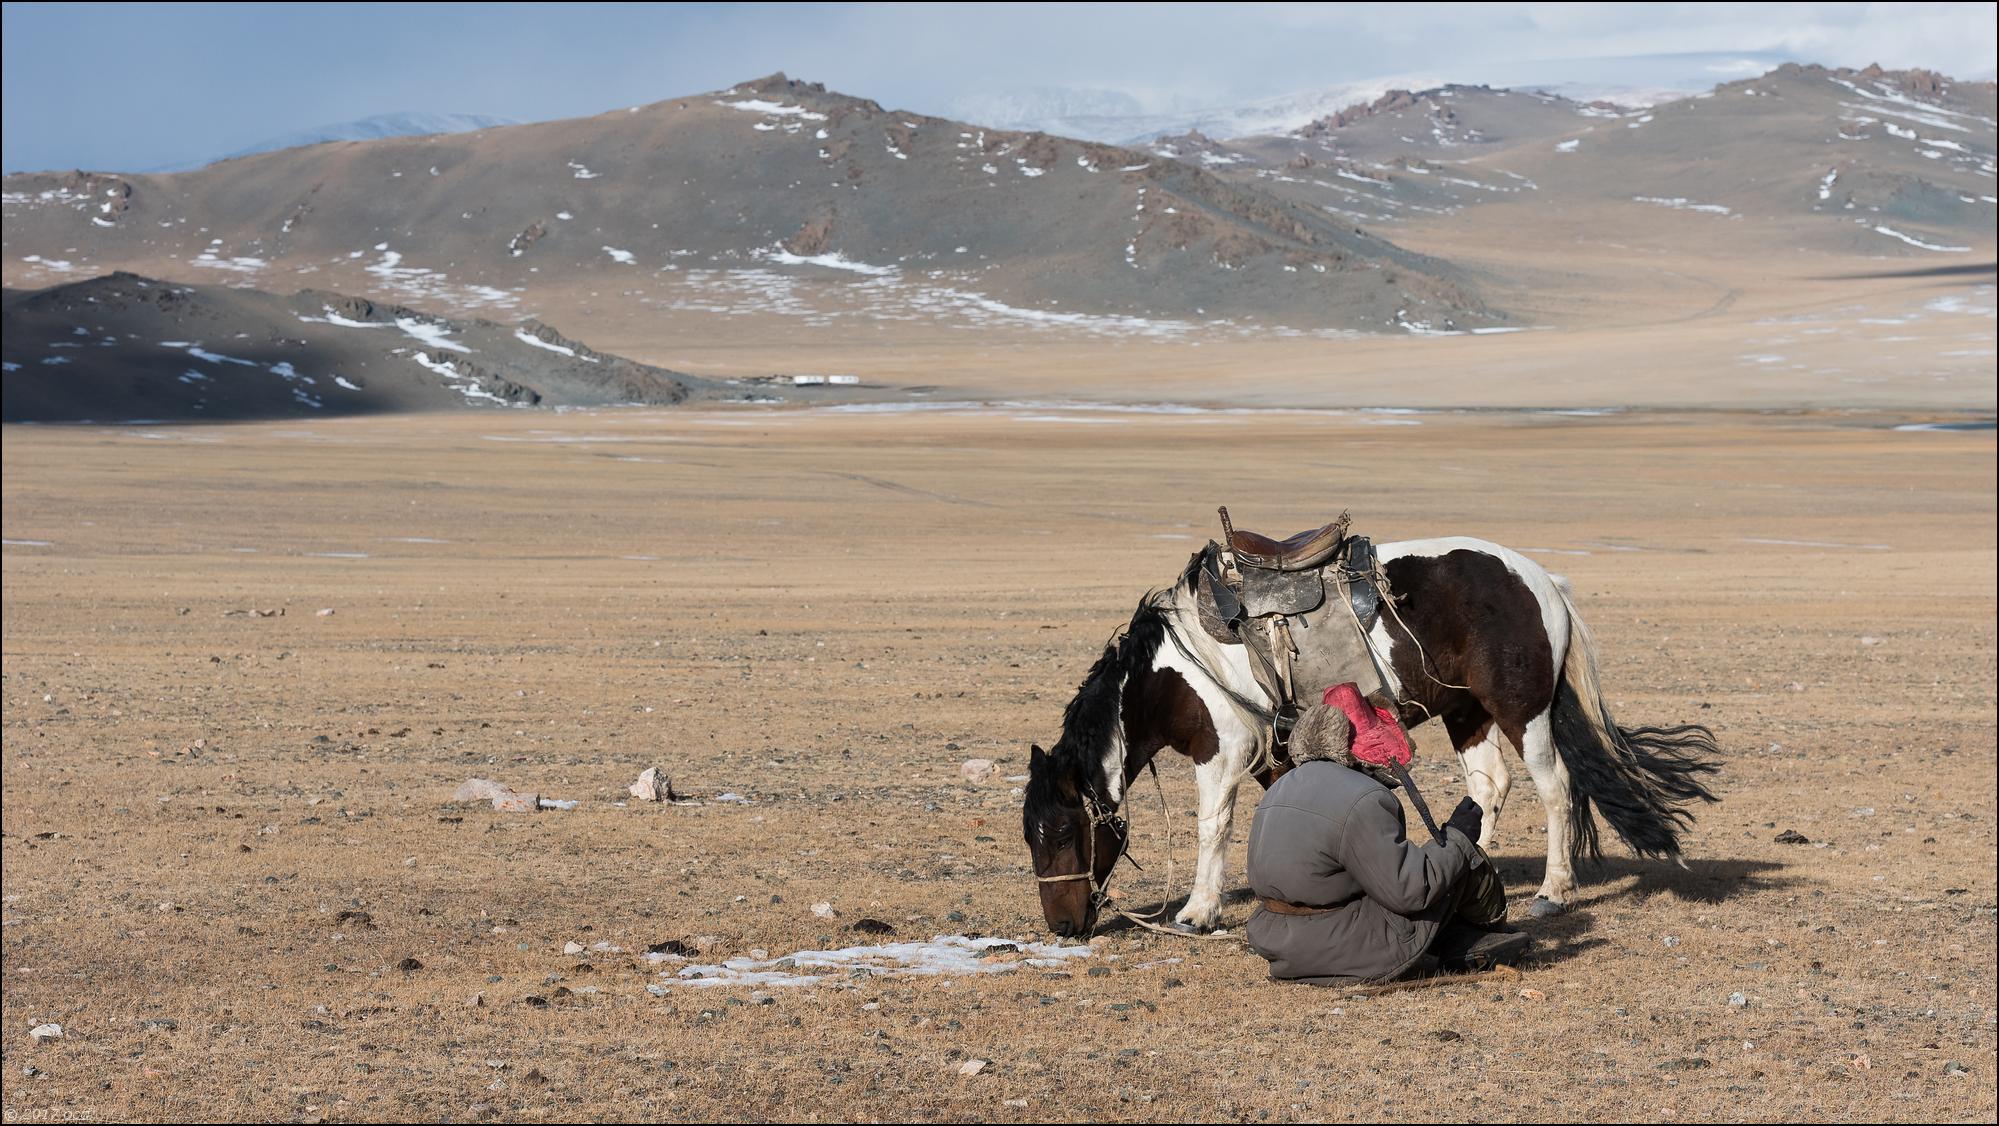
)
(825, 612)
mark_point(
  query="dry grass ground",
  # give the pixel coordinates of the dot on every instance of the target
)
(827, 614)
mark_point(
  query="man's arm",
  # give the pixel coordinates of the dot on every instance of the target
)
(1401, 876)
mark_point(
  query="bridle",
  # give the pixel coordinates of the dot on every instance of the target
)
(1099, 817)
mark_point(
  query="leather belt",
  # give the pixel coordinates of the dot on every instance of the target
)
(1281, 907)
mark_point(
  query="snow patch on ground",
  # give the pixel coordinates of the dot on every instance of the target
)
(200, 353)
(774, 109)
(431, 333)
(210, 259)
(525, 337)
(832, 260)
(1913, 241)
(433, 285)
(942, 956)
(1681, 203)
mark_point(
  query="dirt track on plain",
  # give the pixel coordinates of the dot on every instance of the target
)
(826, 614)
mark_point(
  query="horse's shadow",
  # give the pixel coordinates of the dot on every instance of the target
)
(1695, 881)
(1567, 935)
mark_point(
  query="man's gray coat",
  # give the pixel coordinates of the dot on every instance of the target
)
(1327, 836)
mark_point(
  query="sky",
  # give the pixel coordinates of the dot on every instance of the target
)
(132, 87)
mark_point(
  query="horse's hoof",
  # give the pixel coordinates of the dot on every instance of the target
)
(1186, 927)
(1544, 908)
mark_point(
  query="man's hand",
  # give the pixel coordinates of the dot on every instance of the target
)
(1467, 819)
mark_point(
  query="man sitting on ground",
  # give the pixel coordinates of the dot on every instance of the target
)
(1346, 897)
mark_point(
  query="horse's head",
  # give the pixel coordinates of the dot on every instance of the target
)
(1074, 837)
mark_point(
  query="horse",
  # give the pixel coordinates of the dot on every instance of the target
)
(1481, 638)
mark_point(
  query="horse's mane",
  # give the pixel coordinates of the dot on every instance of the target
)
(1091, 718)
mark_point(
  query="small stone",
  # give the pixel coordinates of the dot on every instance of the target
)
(869, 926)
(656, 989)
(516, 803)
(44, 1032)
(1533, 995)
(971, 1067)
(825, 911)
(1738, 1001)
(1687, 1063)
(158, 1024)
(977, 771)
(1862, 1063)
(1952, 1067)
(409, 965)
(1792, 836)
(1447, 1035)
(1670, 941)
(759, 997)
(653, 785)
(572, 948)
(476, 1001)
(325, 613)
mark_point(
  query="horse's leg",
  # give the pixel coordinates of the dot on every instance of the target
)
(1551, 778)
(1217, 779)
(1488, 779)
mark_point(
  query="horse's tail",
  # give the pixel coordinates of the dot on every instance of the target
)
(1640, 777)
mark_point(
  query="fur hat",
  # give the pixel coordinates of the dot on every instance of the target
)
(1324, 732)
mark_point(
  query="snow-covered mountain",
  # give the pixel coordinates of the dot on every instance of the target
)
(366, 129)
(1115, 117)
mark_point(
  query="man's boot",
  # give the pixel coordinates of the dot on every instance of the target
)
(1463, 948)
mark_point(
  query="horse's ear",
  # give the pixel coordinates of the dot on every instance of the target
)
(1036, 757)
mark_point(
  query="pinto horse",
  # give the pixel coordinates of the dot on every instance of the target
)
(1482, 638)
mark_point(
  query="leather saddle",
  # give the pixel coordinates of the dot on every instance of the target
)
(1305, 551)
